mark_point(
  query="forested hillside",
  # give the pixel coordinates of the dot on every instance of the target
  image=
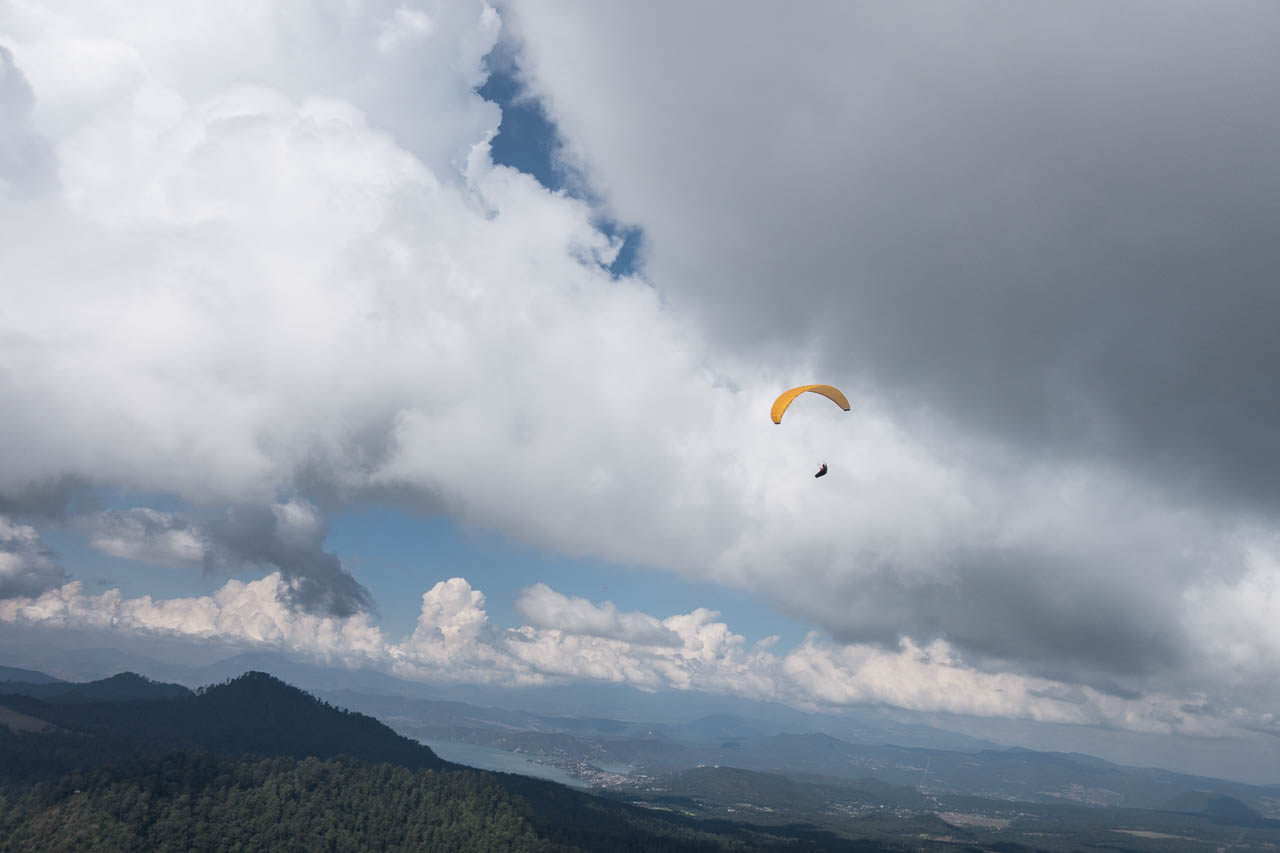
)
(254, 714)
(186, 801)
(255, 764)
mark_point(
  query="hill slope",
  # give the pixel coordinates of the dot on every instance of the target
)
(255, 714)
(1212, 805)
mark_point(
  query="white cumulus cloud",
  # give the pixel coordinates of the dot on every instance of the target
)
(252, 613)
(543, 607)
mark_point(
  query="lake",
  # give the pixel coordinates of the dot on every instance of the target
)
(491, 758)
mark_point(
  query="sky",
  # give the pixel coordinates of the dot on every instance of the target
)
(439, 339)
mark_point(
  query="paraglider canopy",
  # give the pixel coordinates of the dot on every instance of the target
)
(829, 391)
(822, 472)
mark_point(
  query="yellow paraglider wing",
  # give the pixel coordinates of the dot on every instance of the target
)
(829, 391)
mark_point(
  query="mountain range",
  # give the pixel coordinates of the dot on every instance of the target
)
(256, 764)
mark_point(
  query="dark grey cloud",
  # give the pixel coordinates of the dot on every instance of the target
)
(26, 161)
(1051, 224)
(290, 538)
(49, 499)
(1003, 607)
(1049, 230)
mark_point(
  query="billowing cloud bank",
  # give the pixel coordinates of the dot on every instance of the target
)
(575, 639)
(256, 255)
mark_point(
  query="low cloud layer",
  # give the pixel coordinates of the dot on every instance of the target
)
(254, 613)
(454, 642)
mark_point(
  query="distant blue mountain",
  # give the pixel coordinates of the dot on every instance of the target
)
(26, 676)
(124, 687)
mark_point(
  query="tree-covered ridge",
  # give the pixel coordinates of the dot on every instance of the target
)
(253, 714)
